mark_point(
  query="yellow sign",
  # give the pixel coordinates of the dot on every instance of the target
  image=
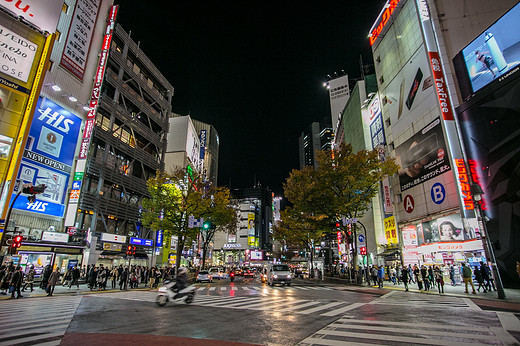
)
(251, 241)
(391, 230)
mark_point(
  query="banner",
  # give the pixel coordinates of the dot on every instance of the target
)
(423, 156)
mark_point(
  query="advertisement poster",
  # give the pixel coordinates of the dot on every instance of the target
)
(251, 224)
(77, 46)
(16, 54)
(43, 13)
(410, 94)
(423, 156)
(339, 93)
(48, 157)
(495, 51)
(390, 230)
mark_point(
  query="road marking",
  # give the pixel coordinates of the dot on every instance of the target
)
(471, 304)
(295, 307)
(212, 288)
(343, 309)
(234, 288)
(322, 307)
(509, 321)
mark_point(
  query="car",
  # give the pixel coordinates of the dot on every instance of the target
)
(204, 276)
(279, 274)
(248, 272)
(216, 272)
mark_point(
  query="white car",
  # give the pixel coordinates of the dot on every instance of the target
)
(204, 276)
(216, 273)
(279, 274)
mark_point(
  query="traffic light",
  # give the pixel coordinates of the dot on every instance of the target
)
(206, 225)
(17, 242)
(32, 190)
(133, 250)
(363, 250)
(129, 250)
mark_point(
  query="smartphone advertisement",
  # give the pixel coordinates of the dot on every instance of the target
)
(494, 52)
(410, 93)
(423, 156)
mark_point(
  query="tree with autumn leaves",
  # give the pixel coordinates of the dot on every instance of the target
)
(175, 197)
(343, 185)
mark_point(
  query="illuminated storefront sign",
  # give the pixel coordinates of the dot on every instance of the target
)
(140, 241)
(440, 85)
(113, 238)
(390, 230)
(17, 54)
(382, 20)
(43, 13)
(464, 183)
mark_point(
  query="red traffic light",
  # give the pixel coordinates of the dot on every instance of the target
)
(17, 241)
(337, 224)
(363, 250)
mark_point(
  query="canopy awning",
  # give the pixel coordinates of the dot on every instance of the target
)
(389, 252)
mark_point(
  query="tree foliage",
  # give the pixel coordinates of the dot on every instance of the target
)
(343, 184)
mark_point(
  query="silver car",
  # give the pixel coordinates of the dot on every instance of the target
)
(204, 276)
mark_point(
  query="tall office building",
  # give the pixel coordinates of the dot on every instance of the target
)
(317, 136)
(127, 148)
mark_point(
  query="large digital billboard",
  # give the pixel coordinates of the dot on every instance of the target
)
(48, 157)
(494, 52)
(423, 156)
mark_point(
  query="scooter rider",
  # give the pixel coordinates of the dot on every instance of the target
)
(181, 280)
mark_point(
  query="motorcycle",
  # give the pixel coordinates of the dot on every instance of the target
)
(232, 276)
(264, 278)
(167, 293)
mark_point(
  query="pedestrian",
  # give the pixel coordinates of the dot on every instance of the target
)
(29, 279)
(393, 274)
(439, 279)
(114, 275)
(373, 274)
(410, 274)
(92, 277)
(518, 268)
(480, 279)
(75, 275)
(487, 277)
(467, 276)
(4, 283)
(53, 280)
(123, 279)
(45, 276)
(380, 276)
(101, 278)
(431, 277)
(425, 278)
(16, 282)
(405, 278)
(452, 275)
(152, 278)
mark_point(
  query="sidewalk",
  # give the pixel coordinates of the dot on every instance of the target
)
(61, 290)
(512, 294)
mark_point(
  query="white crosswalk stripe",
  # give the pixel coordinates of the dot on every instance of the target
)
(248, 302)
(259, 288)
(346, 331)
(423, 301)
(41, 321)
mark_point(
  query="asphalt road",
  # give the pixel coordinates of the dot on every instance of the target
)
(248, 312)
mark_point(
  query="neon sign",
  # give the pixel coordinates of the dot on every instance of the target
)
(465, 188)
(385, 14)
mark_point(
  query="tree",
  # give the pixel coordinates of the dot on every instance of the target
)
(343, 184)
(300, 229)
(221, 217)
(173, 198)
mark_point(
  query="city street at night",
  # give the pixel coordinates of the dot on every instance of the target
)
(249, 312)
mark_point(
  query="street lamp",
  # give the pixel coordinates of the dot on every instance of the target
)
(476, 192)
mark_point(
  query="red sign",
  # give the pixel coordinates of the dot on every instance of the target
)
(409, 204)
(385, 15)
(440, 84)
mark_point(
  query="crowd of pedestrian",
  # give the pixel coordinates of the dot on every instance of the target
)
(428, 277)
(97, 277)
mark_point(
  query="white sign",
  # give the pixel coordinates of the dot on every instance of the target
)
(55, 237)
(43, 13)
(16, 54)
(113, 238)
(77, 45)
(232, 246)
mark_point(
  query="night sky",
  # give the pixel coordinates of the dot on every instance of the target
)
(253, 70)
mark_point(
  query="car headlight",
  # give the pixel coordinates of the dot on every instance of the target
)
(162, 289)
(275, 276)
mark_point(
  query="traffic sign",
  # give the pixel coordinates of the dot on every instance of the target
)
(361, 238)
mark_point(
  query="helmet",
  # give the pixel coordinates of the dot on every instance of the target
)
(182, 270)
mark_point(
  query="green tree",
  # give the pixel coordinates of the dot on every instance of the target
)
(299, 229)
(343, 184)
(173, 198)
(221, 217)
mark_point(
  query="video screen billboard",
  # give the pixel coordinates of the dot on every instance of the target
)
(494, 52)
(423, 156)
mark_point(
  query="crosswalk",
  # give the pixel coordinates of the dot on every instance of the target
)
(262, 288)
(41, 321)
(272, 303)
(348, 331)
(422, 301)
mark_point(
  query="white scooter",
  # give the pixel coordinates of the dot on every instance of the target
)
(167, 293)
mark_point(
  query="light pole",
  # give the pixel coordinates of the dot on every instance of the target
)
(477, 193)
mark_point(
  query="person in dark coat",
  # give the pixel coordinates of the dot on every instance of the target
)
(123, 279)
(75, 277)
(29, 279)
(53, 280)
(16, 282)
(92, 278)
(405, 277)
(45, 276)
